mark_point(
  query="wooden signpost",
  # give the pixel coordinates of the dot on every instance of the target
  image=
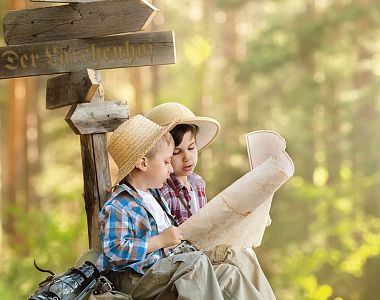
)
(73, 39)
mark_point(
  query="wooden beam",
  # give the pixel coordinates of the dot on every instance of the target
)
(55, 23)
(100, 117)
(97, 181)
(128, 50)
(71, 88)
(96, 174)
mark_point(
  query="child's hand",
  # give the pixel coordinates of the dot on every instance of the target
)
(171, 236)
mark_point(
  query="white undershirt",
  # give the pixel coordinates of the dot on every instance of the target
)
(156, 210)
(194, 203)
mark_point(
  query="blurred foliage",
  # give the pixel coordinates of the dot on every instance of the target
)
(307, 69)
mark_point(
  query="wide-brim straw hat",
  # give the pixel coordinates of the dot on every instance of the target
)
(165, 113)
(132, 140)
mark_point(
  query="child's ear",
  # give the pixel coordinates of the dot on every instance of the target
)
(142, 164)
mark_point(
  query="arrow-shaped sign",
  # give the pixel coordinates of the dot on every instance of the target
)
(97, 117)
(71, 88)
(80, 20)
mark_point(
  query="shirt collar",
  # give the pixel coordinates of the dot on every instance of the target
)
(133, 193)
(176, 182)
(194, 179)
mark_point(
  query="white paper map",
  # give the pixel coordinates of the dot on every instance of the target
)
(238, 215)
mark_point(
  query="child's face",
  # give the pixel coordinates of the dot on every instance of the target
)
(159, 167)
(185, 156)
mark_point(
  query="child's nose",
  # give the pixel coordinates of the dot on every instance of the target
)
(170, 168)
(186, 156)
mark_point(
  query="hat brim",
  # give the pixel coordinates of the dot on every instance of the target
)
(208, 130)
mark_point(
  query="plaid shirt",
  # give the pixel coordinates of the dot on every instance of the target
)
(177, 209)
(125, 228)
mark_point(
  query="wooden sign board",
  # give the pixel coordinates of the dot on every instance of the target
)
(97, 117)
(119, 51)
(73, 21)
(71, 88)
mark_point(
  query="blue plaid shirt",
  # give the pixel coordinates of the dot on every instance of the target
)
(125, 228)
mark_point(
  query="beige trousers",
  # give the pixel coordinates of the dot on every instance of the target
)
(246, 261)
(187, 276)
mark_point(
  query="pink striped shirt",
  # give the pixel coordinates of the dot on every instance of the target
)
(178, 211)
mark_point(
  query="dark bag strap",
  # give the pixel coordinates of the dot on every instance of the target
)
(180, 197)
(156, 195)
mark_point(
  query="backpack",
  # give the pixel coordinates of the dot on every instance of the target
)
(104, 289)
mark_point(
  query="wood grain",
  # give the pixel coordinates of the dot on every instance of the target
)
(64, 22)
(97, 117)
(97, 181)
(71, 88)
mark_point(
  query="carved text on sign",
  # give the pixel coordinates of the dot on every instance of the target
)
(129, 50)
(94, 54)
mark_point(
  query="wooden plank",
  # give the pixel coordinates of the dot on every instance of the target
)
(97, 117)
(97, 181)
(80, 20)
(71, 88)
(128, 50)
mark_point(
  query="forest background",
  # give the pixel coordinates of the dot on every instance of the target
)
(307, 69)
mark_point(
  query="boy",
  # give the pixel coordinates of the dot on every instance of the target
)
(136, 226)
(185, 191)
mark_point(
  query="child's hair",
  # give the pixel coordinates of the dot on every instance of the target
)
(166, 139)
(180, 130)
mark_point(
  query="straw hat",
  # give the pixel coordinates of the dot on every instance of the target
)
(132, 140)
(165, 113)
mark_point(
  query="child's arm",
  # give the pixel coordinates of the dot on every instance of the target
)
(169, 237)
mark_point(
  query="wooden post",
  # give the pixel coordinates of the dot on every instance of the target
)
(91, 120)
(96, 174)
(96, 179)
